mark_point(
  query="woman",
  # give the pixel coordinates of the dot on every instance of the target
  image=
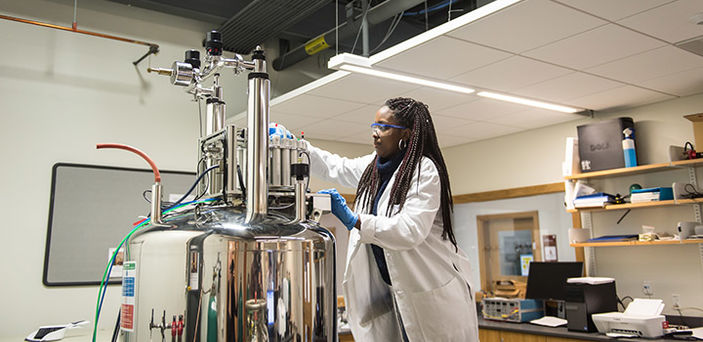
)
(406, 279)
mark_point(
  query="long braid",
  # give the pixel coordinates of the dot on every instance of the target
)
(422, 143)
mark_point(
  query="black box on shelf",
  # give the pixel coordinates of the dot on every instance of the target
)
(600, 144)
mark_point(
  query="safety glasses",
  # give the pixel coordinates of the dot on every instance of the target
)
(377, 128)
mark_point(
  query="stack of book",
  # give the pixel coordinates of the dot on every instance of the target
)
(599, 199)
(651, 195)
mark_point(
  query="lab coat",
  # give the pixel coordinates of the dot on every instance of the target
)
(431, 280)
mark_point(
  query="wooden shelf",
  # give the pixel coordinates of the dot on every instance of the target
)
(640, 205)
(636, 243)
(637, 169)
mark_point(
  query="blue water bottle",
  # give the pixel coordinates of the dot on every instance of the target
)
(628, 148)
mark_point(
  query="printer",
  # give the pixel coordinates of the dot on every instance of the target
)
(586, 296)
(642, 318)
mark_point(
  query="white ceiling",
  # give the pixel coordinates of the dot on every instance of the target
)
(591, 54)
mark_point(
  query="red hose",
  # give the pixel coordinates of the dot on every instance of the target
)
(157, 175)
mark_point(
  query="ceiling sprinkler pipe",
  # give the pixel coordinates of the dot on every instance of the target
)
(375, 15)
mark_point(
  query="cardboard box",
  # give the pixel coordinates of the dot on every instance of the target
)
(697, 120)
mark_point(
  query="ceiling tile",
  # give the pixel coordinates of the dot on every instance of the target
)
(481, 130)
(600, 45)
(362, 116)
(564, 88)
(513, 73)
(315, 106)
(481, 110)
(293, 122)
(336, 128)
(363, 89)
(648, 65)
(446, 140)
(364, 140)
(535, 118)
(443, 124)
(623, 97)
(685, 83)
(443, 57)
(670, 22)
(321, 136)
(527, 25)
(614, 10)
(438, 99)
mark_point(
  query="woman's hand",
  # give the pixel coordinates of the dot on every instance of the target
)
(341, 210)
(279, 131)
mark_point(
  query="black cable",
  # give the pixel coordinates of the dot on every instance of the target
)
(115, 332)
(691, 191)
(623, 216)
(144, 195)
(241, 183)
(197, 181)
(307, 184)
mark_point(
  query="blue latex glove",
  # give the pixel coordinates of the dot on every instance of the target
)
(280, 131)
(341, 210)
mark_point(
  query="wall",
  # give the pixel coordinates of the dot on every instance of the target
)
(537, 154)
(552, 219)
(60, 94)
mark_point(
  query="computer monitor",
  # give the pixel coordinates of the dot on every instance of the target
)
(546, 280)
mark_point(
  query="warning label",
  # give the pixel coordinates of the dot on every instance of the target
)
(127, 317)
(316, 45)
(129, 276)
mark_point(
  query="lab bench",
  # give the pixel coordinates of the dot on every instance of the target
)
(494, 331)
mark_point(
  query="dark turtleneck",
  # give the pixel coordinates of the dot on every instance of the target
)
(386, 167)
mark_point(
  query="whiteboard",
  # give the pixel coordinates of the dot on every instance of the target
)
(91, 210)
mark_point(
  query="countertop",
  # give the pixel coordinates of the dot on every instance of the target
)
(528, 328)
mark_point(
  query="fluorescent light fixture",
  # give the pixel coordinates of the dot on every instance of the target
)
(528, 102)
(406, 78)
(362, 65)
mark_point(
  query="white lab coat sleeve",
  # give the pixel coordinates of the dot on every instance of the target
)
(411, 226)
(337, 169)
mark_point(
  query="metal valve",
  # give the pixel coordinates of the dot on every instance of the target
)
(182, 74)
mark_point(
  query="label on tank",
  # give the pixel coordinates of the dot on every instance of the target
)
(129, 276)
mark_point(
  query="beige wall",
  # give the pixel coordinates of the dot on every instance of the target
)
(60, 94)
(534, 157)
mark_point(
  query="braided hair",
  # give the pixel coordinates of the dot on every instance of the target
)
(422, 143)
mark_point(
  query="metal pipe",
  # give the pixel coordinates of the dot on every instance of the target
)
(364, 31)
(231, 160)
(285, 161)
(257, 138)
(101, 35)
(300, 201)
(375, 15)
(275, 166)
(156, 204)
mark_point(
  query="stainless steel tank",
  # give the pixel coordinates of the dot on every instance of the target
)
(234, 281)
(246, 264)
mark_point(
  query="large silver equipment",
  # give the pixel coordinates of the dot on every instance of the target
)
(252, 264)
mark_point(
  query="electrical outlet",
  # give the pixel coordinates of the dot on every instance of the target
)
(675, 300)
(647, 288)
